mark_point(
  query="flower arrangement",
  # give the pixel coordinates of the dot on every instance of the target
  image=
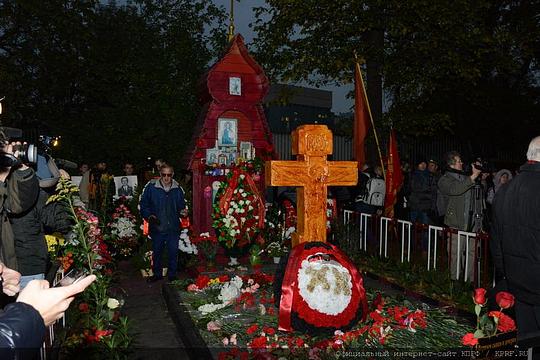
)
(207, 246)
(123, 238)
(275, 249)
(238, 211)
(492, 322)
(95, 320)
(185, 244)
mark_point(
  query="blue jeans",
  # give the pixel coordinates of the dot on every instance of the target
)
(159, 241)
(27, 278)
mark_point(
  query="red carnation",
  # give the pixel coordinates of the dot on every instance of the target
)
(258, 343)
(505, 299)
(252, 329)
(202, 281)
(505, 322)
(479, 296)
(83, 307)
(224, 278)
(469, 339)
(269, 331)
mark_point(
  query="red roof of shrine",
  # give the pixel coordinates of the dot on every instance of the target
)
(217, 101)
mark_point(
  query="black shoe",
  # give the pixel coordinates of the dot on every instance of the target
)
(153, 279)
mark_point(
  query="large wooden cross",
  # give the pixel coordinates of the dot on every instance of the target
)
(312, 173)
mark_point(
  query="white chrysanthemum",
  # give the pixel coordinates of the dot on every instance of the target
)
(210, 308)
(333, 293)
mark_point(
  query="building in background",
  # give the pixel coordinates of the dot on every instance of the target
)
(288, 106)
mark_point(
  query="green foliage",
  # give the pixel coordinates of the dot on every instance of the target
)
(116, 79)
(447, 66)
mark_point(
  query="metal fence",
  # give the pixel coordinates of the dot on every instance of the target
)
(402, 240)
(412, 149)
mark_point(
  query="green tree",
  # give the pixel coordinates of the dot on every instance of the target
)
(448, 66)
(115, 81)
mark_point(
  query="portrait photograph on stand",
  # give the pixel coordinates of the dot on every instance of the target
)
(125, 185)
(227, 132)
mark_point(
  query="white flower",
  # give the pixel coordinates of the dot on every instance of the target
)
(242, 220)
(241, 202)
(248, 202)
(210, 308)
(250, 207)
(113, 303)
(240, 190)
(242, 176)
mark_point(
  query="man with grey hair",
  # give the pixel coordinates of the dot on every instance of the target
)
(515, 246)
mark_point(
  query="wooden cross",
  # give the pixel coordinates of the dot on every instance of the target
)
(312, 173)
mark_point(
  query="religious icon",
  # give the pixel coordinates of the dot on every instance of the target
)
(235, 86)
(211, 156)
(227, 132)
(232, 158)
(223, 159)
(125, 185)
(245, 150)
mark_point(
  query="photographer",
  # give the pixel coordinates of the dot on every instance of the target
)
(18, 193)
(455, 200)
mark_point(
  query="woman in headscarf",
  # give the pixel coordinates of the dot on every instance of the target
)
(501, 177)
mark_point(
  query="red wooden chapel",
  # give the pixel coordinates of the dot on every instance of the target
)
(231, 127)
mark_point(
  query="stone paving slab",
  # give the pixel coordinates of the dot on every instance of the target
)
(154, 333)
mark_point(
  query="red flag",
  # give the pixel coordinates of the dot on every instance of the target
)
(394, 176)
(361, 118)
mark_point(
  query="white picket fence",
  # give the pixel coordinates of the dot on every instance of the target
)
(360, 226)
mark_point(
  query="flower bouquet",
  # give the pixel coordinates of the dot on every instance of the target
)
(276, 251)
(207, 247)
(494, 329)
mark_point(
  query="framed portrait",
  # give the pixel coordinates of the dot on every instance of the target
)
(125, 185)
(211, 156)
(227, 132)
(76, 180)
(235, 86)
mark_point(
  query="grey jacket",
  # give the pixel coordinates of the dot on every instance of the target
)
(455, 187)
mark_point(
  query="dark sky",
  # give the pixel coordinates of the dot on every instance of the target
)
(243, 15)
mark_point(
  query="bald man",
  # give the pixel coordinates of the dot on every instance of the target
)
(515, 246)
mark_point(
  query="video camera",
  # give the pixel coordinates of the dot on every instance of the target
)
(479, 164)
(23, 153)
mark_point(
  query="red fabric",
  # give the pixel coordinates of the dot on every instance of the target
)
(362, 120)
(287, 292)
(394, 176)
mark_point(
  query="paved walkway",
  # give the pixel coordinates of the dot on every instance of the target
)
(154, 333)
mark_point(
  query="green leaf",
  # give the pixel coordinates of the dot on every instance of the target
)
(477, 309)
(479, 334)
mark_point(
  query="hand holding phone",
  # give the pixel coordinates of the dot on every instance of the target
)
(71, 277)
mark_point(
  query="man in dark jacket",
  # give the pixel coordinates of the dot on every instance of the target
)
(515, 246)
(420, 193)
(162, 204)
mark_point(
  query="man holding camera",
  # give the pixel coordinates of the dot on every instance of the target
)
(19, 190)
(162, 204)
(456, 195)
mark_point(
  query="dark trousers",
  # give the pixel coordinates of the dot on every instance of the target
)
(159, 241)
(528, 324)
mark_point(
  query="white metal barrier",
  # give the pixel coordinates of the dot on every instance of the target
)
(383, 230)
(363, 230)
(408, 225)
(467, 235)
(435, 230)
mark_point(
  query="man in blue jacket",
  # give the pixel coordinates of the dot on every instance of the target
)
(162, 204)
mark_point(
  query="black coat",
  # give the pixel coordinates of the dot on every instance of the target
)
(21, 329)
(29, 229)
(515, 244)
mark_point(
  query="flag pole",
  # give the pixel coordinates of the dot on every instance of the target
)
(370, 115)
